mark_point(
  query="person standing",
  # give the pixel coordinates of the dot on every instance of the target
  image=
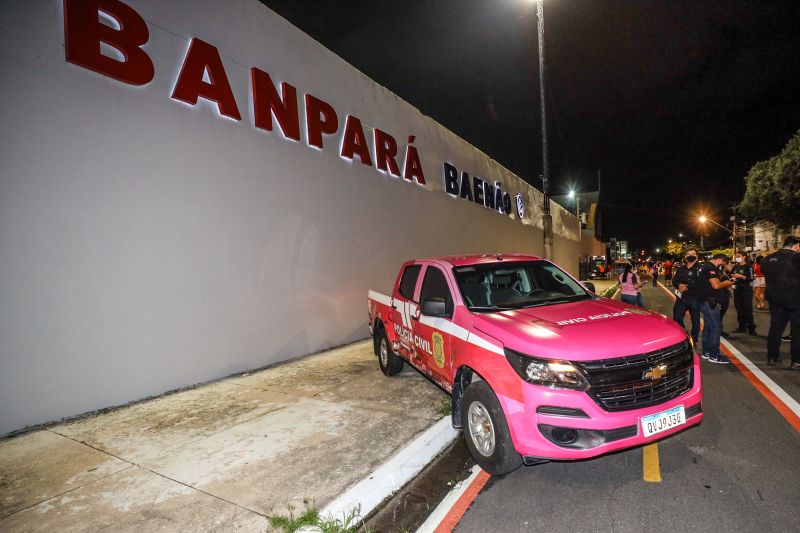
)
(743, 275)
(724, 294)
(668, 272)
(782, 274)
(685, 281)
(709, 293)
(759, 283)
(629, 285)
(654, 272)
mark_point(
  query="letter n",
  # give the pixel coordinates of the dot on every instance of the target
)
(267, 103)
(202, 58)
(83, 34)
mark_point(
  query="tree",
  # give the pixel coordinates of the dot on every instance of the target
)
(773, 187)
(676, 249)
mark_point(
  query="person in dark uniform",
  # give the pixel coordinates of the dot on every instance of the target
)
(709, 293)
(724, 294)
(743, 275)
(782, 273)
(685, 281)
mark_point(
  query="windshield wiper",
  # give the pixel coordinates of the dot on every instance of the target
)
(490, 308)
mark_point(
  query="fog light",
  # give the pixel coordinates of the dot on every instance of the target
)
(564, 435)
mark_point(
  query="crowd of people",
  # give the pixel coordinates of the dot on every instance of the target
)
(705, 289)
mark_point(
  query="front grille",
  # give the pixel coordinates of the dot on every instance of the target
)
(619, 384)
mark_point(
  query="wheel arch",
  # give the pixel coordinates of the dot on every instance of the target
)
(378, 329)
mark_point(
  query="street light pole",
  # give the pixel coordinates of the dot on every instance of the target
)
(547, 219)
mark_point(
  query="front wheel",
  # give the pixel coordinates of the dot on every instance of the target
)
(486, 430)
(391, 364)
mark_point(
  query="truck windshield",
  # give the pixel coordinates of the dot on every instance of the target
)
(503, 286)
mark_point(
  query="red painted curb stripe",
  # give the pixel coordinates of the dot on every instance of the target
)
(770, 396)
(453, 516)
(776, 402)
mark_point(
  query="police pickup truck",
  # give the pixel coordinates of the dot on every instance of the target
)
(538, 366)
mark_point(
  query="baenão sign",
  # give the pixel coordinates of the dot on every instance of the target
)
(476, 190)
(203, 76)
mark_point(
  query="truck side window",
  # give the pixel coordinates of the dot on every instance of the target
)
(409, 281)
(435, 286)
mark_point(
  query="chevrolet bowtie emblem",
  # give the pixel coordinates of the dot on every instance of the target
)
(656, 372)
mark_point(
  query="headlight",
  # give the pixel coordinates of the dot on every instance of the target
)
(550, 372)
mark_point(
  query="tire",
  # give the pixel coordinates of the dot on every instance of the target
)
(391, 364)
(486, 430)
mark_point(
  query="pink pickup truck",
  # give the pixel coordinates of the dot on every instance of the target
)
(538, 367)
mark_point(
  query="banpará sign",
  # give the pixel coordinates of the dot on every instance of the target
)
(92, 26)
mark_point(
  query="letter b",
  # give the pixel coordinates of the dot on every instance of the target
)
(450, 179)
(83, 33)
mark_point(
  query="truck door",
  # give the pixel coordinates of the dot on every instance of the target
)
(404, 307)
(432, 337)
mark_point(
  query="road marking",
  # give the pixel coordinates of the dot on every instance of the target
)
(651, 468)
(780, 400)
(787, 406)
(448, 513)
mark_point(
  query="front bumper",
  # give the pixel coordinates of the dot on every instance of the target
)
(598, 431)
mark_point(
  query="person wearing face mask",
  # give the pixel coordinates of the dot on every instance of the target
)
(685, 282)
(709, 294)
(782, 273)
(743, 275)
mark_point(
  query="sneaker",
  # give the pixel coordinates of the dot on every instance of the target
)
(774, 362)
(705, 356)
(787, 338)
(752, 331)
(720, 360)
(740, 329)
(794, 366)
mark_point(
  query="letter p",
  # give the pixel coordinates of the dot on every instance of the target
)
(83, 34)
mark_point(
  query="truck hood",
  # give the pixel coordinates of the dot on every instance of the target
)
(581, 331)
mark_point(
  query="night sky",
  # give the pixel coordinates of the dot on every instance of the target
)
(672, 101)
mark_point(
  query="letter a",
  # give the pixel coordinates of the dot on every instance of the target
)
(204, 58)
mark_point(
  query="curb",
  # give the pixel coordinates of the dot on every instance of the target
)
(390, 477)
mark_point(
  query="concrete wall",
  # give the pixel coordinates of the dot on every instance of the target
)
(147, 244)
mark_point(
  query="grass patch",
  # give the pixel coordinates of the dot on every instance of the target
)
(444, 407)
(609, 292)
(310, 518)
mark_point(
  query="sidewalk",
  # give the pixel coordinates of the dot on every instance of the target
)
(222, 456)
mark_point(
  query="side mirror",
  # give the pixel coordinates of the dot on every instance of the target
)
(434, 307)
(589, 286)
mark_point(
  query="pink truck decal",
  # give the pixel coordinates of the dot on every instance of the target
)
(538, 367)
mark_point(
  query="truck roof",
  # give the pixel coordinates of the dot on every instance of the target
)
(465, 260)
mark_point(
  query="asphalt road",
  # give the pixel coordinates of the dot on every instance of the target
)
(738, 471)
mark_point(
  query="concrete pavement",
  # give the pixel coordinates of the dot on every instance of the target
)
(219, 457)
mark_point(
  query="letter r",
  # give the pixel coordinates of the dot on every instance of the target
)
(83, 33)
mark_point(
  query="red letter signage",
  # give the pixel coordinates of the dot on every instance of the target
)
(385, 153)
(200, 59)
(354, 141)
(267, 103)
(320, 118)
(83, 33)
(412, 169)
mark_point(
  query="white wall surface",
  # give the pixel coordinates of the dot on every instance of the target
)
(147, 245)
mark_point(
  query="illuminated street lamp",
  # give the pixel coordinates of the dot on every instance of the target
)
(703, 219)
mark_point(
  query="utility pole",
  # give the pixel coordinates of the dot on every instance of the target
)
(547, 219)
(733, 235)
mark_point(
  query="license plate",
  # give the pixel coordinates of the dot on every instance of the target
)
(663, 421)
